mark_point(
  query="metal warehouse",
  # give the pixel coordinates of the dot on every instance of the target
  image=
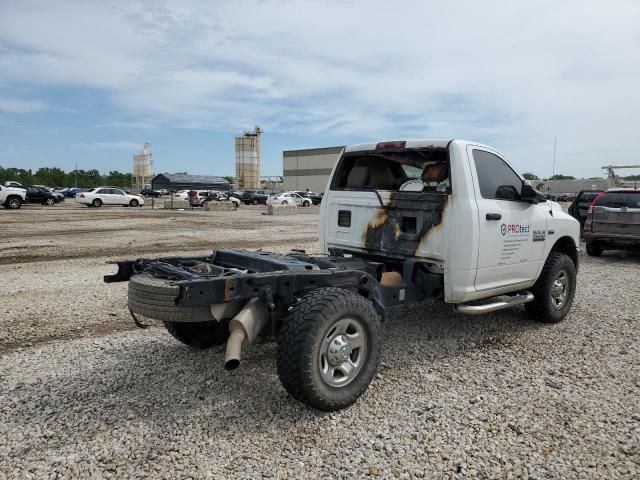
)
(308, 168)
(179, 181)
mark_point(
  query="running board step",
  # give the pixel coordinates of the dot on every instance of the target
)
(519, 299)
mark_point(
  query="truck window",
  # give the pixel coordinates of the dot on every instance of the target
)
(496, 179)
(428, 168)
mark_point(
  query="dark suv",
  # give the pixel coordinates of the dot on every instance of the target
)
(254, 197)
(613, 221)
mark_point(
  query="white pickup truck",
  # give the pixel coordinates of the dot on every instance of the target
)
(400, 222)
(12, 197)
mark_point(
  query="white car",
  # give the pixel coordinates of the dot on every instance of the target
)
(289, 198)
(109, 196)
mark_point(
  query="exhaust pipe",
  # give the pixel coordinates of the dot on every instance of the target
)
(244, 329)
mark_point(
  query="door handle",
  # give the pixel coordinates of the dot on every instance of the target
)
(493, 216)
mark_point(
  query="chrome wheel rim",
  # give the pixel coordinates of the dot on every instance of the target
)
(13, 203)
(342, 352)
(560, 289)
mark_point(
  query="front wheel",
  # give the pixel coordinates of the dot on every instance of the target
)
(96, 202)
(554, 290)
(13, 203)
(49, 202)
(256, 201)
(134, 203)
(306, 203)
(329, 348)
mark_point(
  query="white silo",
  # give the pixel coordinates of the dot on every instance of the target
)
(142, 168)
(248, 159)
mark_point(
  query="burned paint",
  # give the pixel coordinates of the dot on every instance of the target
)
(408, 220)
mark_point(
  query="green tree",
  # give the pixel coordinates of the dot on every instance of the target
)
(530, 176)
(562, 177)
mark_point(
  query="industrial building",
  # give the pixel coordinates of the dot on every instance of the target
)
(179, 181)
(308, 169)
(142, 168)
(248, 159)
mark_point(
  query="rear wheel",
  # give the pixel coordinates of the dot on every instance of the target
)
(554, 290)
(199, 335)
(204, 204)
(329, 348)
(96, 202)
(284, 202)
(13, 203)
(134, 203)
(593, 249)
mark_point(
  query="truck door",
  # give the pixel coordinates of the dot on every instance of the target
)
(512, 233)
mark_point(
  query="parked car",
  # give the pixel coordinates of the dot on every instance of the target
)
(254, 197)
(220, 197)
(71, 192)
(10, 183)
(37, 194)
(580, 206)
(149, 192)
(289, 198)
(97, 197)
(12, 197)
(316, 198)
(613, 221)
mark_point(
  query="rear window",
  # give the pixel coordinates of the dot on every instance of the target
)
(390, 170)
(619, 200)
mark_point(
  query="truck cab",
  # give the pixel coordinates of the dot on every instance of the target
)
(450, 207)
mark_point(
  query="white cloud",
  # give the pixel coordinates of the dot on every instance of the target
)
(18, 105)
(511, 74)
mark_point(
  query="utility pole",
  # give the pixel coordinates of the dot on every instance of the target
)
(555, 139)
(76, 175)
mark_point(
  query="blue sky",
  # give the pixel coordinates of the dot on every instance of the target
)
(90, 82)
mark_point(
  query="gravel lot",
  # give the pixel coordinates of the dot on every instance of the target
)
(84, 394)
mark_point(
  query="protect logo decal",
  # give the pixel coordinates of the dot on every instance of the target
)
(514, 228)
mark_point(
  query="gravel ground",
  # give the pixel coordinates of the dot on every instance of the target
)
(456, 397)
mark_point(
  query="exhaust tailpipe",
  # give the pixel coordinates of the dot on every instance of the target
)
(244, 329)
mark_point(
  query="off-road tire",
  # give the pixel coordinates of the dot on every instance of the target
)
(201, 334)
(300, 337)
(542, 308)
(155, 298)
(594, 250)
(134, 203)
(13, 202)
(96, 202)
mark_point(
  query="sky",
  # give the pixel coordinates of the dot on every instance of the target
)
(87, 83)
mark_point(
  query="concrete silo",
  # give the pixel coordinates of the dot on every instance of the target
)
(142, 168)
(248, 159)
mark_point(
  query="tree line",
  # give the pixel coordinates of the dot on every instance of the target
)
(56, 177)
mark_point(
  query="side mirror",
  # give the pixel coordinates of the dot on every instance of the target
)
(531, 195)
